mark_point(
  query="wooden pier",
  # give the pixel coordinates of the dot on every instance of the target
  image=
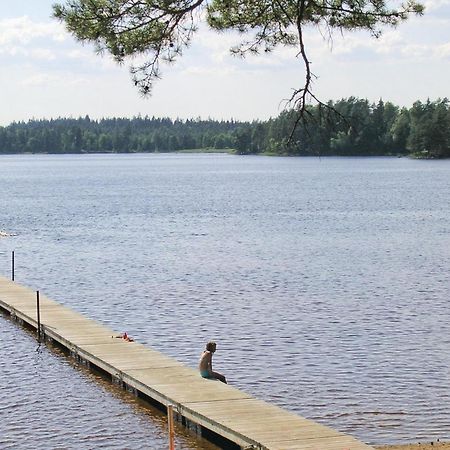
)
(219, 412)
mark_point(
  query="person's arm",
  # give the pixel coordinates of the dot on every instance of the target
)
(209, 362)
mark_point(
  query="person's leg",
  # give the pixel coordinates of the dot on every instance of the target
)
(220, 377)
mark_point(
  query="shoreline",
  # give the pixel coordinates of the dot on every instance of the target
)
(433, 445)
(5, 234)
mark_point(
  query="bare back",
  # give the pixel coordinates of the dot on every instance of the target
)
(205, 363)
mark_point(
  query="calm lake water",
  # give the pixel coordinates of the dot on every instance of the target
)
(325, 283)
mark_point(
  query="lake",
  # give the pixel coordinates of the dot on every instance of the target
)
(324, 282)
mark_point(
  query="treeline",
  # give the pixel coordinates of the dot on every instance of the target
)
(348, 127)
(117, 135)
(353, 127)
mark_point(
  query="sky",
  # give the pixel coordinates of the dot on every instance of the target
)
(45, 73)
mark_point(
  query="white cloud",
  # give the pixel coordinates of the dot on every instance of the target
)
(43, 54)
(417, 51)
(38, 80)
(22, 31)
(50, 80)
(27, 41)
(88, 56)
(443, 51)
(13, 51)
(392, 45)
(217, 47)
(389, 41)
(432, 5)
(209, 70)
(79, 54)
(33, 53)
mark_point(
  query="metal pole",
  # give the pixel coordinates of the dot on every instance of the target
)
(38, 316)
(12, 266)
(171, 431)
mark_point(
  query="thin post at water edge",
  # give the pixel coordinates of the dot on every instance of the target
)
(171, 431)
(12, 265)
(38, 316)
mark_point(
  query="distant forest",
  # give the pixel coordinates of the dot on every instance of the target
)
(352, 127)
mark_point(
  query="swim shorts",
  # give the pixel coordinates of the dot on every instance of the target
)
(206, 374)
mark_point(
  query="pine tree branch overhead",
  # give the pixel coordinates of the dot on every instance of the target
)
(159, 31)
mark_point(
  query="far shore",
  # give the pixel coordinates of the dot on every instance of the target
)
(418, 446)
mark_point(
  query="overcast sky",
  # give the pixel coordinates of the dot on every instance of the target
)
(45, 73)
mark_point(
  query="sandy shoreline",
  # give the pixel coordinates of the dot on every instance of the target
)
(5, 234)
(419, 446)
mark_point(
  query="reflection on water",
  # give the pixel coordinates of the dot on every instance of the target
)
(324, 281)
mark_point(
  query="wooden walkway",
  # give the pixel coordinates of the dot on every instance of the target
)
(210, 407)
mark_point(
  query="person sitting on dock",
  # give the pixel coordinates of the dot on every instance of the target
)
(205, 364)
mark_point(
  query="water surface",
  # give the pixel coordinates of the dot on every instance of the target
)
(324, 282)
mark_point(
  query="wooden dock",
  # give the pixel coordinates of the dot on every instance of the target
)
(215, 410)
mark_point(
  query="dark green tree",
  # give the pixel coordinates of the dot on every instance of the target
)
(400, 130)
(420, 115)
(439, 132)
(242, 140)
